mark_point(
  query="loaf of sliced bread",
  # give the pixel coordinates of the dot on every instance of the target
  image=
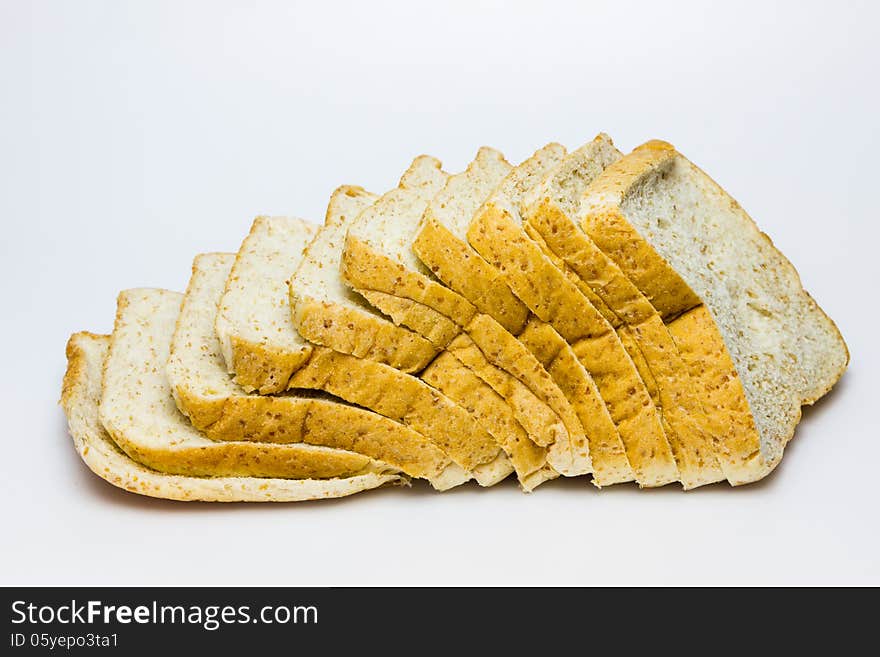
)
(370, 384)
(496, 232)
(217, 406)
(549, 210)
(441, 244)
(382, 262)
(367, 326)
(584, 312)
(329, 313)
(684, 241)
(81, 395)
(255, 330)
(138, 411)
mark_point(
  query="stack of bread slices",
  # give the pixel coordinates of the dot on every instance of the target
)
(581, 314)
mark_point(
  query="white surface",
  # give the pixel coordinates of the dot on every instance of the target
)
(133, 135)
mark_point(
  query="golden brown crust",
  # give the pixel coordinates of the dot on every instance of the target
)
(363, 335)
(615, 236)
(436, 328)
(569, 453)
(556, 300)
(720, 393)
(365, 269)
(610, 464)
(81, 391)
(448, 375)
(264, 368)
(400, 397)
(462, 270)
(706, 357)
(642, 333)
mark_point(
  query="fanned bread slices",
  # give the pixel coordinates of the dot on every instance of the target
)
(81, 395)
(138, 411)
(223, 411)
(329, 313)
(441, 244)
(694, 432)
(378, 262)
(497, 234)
(255, 331)
(370, 384)
(683, 241)
(583, 312)
(446, 373)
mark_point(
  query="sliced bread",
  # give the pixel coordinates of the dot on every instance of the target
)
(329, 313)
(442, 245)
(684, 241)
(378, 259)
(497, 234)
(223, 411)
(254, 329)
(367, 326)
(138, 411)
(81, 395)
(373, 385)
(549, 210)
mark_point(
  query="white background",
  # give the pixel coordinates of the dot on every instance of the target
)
(134, 135)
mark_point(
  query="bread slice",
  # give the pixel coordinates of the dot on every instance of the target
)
(683, 240)
(217, 406)
(329, 313)
(447, 374)
(368, 326)
(375, 386)
(255, 330)
(138, 411)
(379, 263)
(80, 397)
(549, 210)
(496, 232)
(441, 244)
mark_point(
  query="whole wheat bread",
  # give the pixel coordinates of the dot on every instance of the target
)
(257, 319)
(378, 262)
(137, 409)
(216, 405)
(695, 432)
(683, 241)
(81, 395)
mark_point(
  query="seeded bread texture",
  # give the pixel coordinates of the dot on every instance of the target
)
(223, 411)
(497, 234)
(253, 323)
(466, 389)
(137, 409)
(550, 211)
(672, 228)
(442, 246)
(387, 272)
(329, 313)
(407, 400)
(80, 397)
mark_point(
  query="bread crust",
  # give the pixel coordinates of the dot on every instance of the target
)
(697, 449)
(403, 398)
(334, 320)
(81, 391)
(696, 334)
(138, 411)
(453, 323)
(226, 413)
(553, 298)
(462, 270)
